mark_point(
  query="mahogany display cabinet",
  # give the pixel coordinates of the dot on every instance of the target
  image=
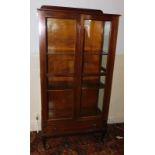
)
(77, 52)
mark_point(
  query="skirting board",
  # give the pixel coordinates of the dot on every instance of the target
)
(112, 120)
(34, 126)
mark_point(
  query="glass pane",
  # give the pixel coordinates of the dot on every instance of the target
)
(106, 38)
(97, 36)
(60, 64)
(96, 46)
(91, 64)
(60, 104)
(61, 41)
(60, 82)
(93, 36)
(92, 95)
(91, 102)
(61, 35)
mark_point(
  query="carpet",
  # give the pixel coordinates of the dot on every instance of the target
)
(88, 144)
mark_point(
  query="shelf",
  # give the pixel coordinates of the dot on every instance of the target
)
(55, 114)
(90, 112)
(64, 74)
(103, 69)
(69, 85)
(102, 73)
(95, 53)
(94, 74)
(71, 52)
(60, 52)
(60, 85)
(93, 85)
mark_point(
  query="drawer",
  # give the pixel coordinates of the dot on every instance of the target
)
(65, 127)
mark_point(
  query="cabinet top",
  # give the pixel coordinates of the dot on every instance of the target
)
(70, 9)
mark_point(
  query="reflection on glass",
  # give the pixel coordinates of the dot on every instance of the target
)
(97, 35)
(93, 35)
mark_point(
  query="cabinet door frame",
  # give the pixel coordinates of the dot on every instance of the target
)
(43, 15)
(110, 61)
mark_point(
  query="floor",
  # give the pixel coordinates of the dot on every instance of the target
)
(89, 144)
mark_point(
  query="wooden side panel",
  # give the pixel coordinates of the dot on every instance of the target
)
(110, 65)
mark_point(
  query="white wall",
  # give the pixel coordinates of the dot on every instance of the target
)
(116, 113)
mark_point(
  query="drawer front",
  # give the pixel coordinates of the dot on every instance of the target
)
(66, 127)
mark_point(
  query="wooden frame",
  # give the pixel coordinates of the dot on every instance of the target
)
(75, 124)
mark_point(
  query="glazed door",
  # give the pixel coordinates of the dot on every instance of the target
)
(61, 43)
(58, 65)
(61, 48)
(95, 51)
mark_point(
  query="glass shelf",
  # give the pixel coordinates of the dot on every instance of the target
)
(69, 85)
(95, 53)
(61, 74)
(102, 73)
(92, 85)
(60, 52)
(69, 52)
(60, 85)
(54, 114)
(94, 74)
(90, 112)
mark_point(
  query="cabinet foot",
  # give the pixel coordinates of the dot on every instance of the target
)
(100, 136)
(103, 135)
(45, 145)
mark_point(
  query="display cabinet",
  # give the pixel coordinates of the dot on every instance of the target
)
(77, 51)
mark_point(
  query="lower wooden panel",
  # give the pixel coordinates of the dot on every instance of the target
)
(70, 126)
